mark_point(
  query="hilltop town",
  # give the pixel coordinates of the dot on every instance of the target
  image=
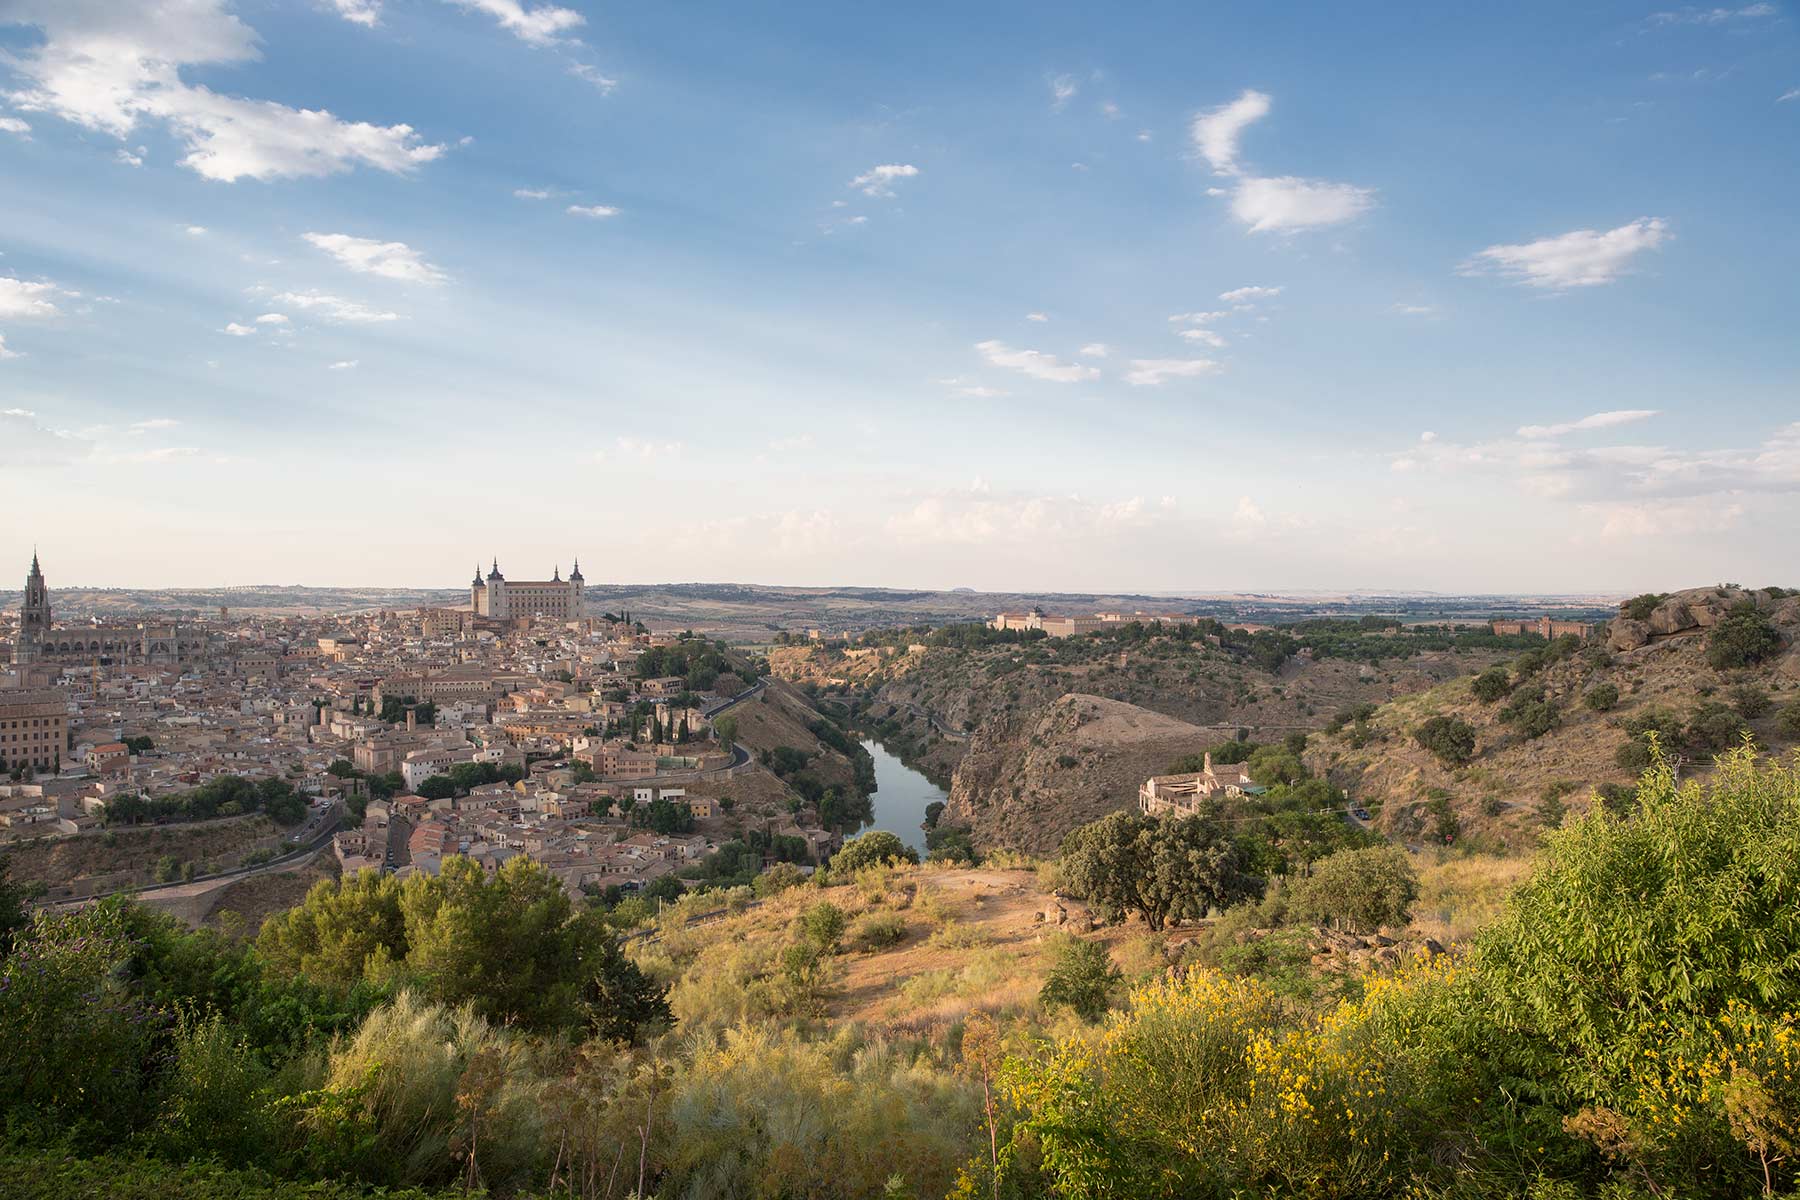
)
(518, 725)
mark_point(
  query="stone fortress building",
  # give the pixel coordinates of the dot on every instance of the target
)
(148, 643)
(503, 599)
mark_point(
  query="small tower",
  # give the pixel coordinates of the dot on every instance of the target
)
(477, 590)
(496, 593)
(576, 583)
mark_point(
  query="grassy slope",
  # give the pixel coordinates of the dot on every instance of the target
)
(127, 857)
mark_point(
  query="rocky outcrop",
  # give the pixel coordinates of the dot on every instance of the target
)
(1024, 783)
(1696, 610)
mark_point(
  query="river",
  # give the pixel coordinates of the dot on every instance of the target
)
(901, 795)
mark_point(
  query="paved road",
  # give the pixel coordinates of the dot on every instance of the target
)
(320, 826)
(754, 689)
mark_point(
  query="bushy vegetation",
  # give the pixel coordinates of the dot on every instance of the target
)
(1742, 638)
(226, 796)
(1450, 740)
(1628, 1029)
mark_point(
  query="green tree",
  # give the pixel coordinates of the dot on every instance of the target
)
(436, 787)
(1602, 697)
(874, 848)
(1360, 890)
(1082, 977)
(1449, 739)
(1160, 868)
(823, 925)
(1742, 638)
(1491, 684)
(343, 768)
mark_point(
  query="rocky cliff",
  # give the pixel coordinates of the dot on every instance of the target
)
(1026, 781)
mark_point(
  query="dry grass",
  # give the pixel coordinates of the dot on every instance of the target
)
(1459, 894)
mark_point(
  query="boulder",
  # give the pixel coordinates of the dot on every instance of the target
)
(1672, 616)
(1432, 947)
(1628, 634)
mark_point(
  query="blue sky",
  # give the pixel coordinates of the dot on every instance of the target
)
(1162, 296)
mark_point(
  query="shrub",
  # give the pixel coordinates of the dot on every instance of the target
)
(1360, 890)
(777, 879)
(1744, 637)
(1751, 701)
(1602, 697)
(1639, 608)
(1450, 740)
(1083, 978)
(871, 849)
(1491, 684)
(1788, 722)
(877, 931)
(823, 926)
(1712, 727)
(1531, 713)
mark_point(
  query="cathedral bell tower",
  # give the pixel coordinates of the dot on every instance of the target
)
(34, 616)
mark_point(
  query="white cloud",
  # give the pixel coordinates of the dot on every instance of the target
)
(1153, 372)
(1291, 203)
(272, 319)
(1247, 517)
(602, 82)
(1713, 16)
(5, 353)
(879, 180)
(531, 193)
(1035, 363)
(130, 158)
(1039, 317)
(1599, 420)
(975, 391)
(1215, 132)
(1584, 258)
(1062, 90)
(26, 298)
(1416, 310)
(359, 12)
(14, 125)
(343, 364)
(1245, 297)
(366, 256)
(1277, 204)
(1110, 110)
(110, 66)
(977, 516)
(540, 26)
(195, 231)
(1205, 337)
(1793, 95)
(1206, 318)
(153, 424)
(1095, 350)
(595, 212)
(27, 442)
(236, 330)
(334, 308)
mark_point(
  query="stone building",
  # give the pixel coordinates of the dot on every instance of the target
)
(503, 599)
(34, 729)
(1544, 627)
(1187, 795)
(149, 643)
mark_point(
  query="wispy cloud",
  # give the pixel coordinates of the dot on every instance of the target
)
(879, 181)
(1713, 16)
(388, 260)
(1269, 204)
(335, 308)
(531, 193)
(1095, 350)
(1153, 372)
(603, 83)
(1600, 420)
(15, 126)
(1216, 131)
(1584, 258)
(593, 212)
(1034, 363)
(1246, 297)
(237, 330)
(539, 25)
(1063, 89)
(343, 364)
(359, 12)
